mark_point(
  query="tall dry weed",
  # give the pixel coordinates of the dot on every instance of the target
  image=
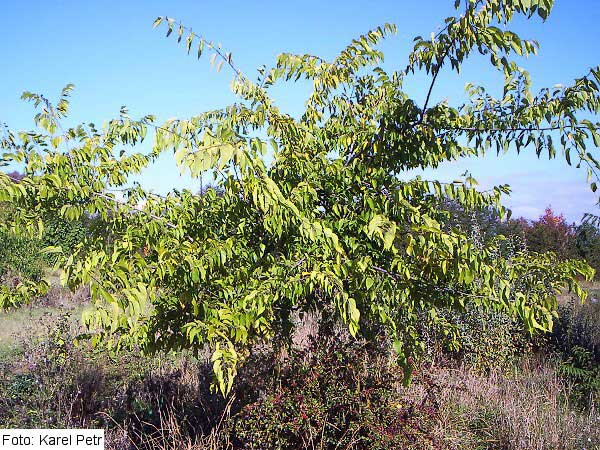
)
(526, 410)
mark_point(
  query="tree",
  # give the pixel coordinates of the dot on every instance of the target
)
(21, 264)
(327, 225)
(587, 242)
(551, 232)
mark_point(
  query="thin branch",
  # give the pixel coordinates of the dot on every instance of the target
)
(511, 129)
(385, 272)
(438, 69)
(225, 57)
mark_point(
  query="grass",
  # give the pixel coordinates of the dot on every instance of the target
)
(592, 288)
(527, 408)
(17, 324)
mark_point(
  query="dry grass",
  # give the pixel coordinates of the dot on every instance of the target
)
(15, 323)
(169, 435)
(526, 410)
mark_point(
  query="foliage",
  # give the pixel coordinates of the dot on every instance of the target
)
(333, 395)
(23, 259)
(576, 337)
(327, 223)
(483, 340)
(56, 382)
(484, 224)
(21, 269)
(578, 325)
(584, 371)
(587, 242)
(39, 390)
(20, 256)
(489, 340)
(163, 403)
(66, 235)
(551, 232)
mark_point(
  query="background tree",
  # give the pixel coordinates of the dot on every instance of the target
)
(552, 233)
(587, 242)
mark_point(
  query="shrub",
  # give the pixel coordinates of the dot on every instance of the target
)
(491, 339)
(587, 241)
(483, 340)
(325, 217)
(62, 233)
(20, 257)
(576, 337)
(336, 395)
(551, 232)
(54, 383)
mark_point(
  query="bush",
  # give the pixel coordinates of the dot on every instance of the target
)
(20, 257)
(551, 232)
(336, 395)
(483, 340)
(587, 241)
(491, 339)
(56, 381)
(576, 337)
(56, 384)
(62, 233)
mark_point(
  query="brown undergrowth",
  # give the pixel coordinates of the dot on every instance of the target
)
(324, 393)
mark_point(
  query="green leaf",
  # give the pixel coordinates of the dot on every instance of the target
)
(200, 48)
(189, 40)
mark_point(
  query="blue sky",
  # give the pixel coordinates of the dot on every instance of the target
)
(109, 50)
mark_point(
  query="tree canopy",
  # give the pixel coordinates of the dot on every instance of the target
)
(324, 224)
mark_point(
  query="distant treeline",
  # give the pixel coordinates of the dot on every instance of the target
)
(550, 232)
